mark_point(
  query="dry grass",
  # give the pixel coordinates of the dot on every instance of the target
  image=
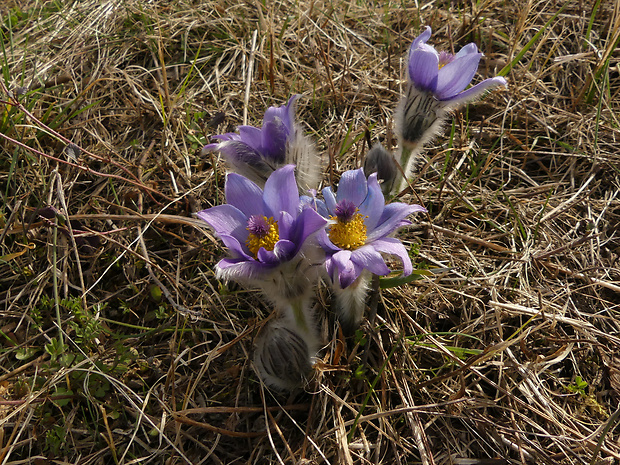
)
(130, 351)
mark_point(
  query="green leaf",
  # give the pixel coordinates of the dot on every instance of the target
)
(25, 353)
(506, 69)
(388, 283)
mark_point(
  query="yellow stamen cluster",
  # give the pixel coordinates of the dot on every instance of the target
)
(267, 240)
(349, 235)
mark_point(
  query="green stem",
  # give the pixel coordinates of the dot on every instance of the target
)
(405, 162)
(297, 305)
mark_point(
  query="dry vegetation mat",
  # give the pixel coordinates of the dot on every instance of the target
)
(119, 345)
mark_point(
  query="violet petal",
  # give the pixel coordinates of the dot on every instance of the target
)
(251, 136)
(285, 250)
(244, 195)
(274, 136)
(392, 246)
(424, 67)
(308, 222)
(422, 38)
(281, 192)
(352, 187)
(457, 75)
(234, 245)
(225, 219)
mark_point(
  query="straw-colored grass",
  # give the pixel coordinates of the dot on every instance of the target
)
(121, 346)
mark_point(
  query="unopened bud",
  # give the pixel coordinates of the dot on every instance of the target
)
(282, 356)
(379, 160)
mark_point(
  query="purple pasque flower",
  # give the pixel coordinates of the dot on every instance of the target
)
(361, 224)
(256, 152)
(262, 229)
(445, 75)
(436, 85)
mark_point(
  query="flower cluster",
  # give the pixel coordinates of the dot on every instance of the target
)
(284, 238)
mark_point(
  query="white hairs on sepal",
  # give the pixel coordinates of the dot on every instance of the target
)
(350, 303)
(302, 153)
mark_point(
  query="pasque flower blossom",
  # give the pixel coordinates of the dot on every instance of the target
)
(270, 240)
(256, 152)
(436, 85)
(265, 232)
(445, 75)
(357, 238)
(361, 224)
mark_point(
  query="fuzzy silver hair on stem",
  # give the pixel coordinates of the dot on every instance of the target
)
(350, 303)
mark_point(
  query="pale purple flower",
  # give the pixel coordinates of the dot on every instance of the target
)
(262, 229)
(256, 152)
(361, 225)
(436, 85)
(445, 75)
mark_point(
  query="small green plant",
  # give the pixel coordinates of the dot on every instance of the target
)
(87, 327)
(56, 348)
(579, 386)
(161, 313)
(360, 337)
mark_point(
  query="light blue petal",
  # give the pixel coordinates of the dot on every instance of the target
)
(391, 219)
(352, 187)
(468, 49)
(392, 246)
(368, 258)
(330, 200)
(372, 206)
(456, 75)
(474, 93)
